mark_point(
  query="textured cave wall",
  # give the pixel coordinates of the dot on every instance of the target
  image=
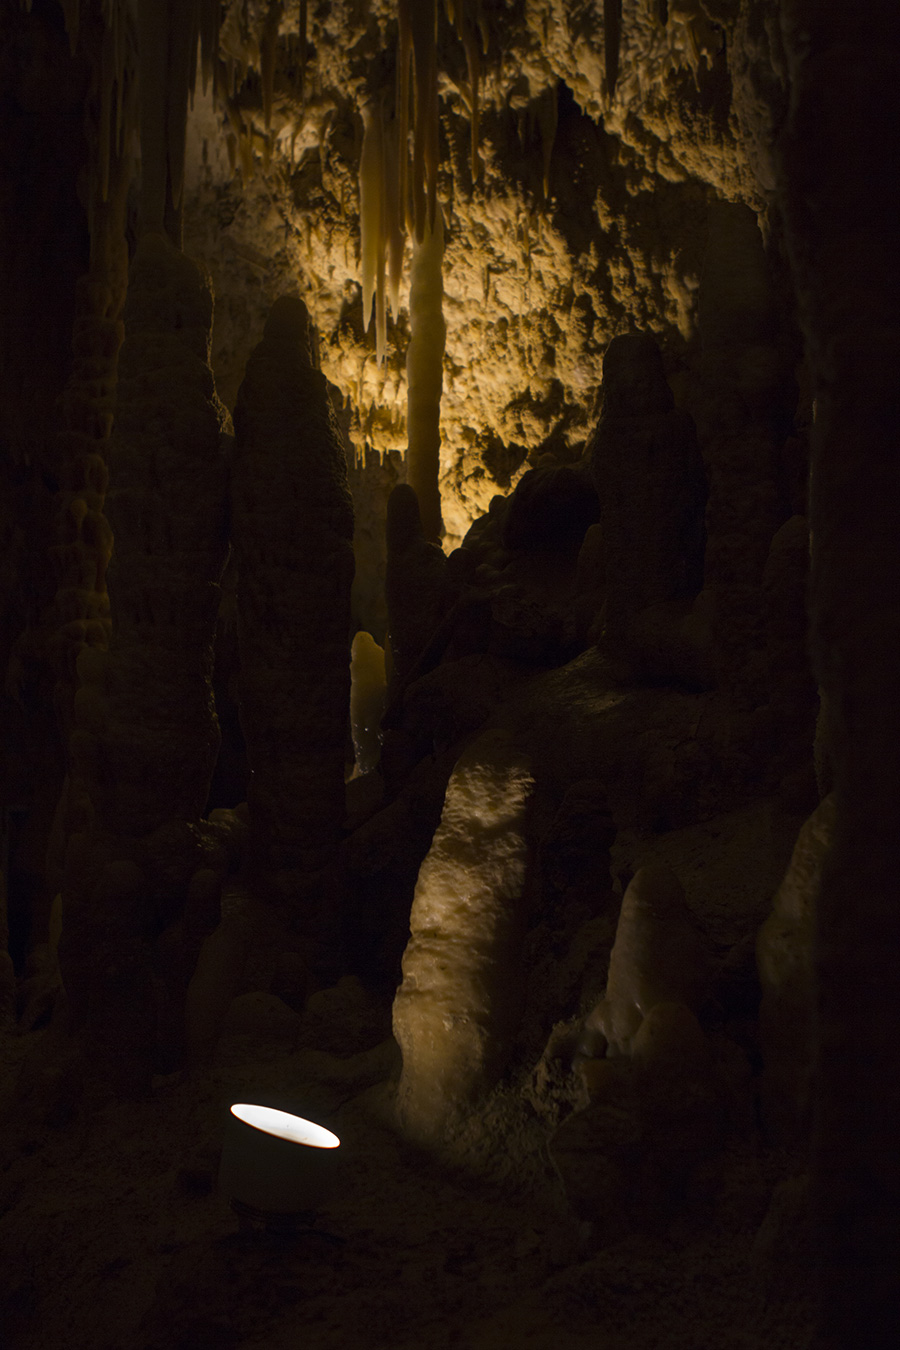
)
(589, 216)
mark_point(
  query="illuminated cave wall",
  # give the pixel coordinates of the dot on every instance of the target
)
(588, 216)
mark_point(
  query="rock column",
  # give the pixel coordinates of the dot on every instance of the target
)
(459, 1002)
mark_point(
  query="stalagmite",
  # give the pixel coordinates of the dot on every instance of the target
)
(784, 957)
(367, 692)
(415, 583)
(456, 1009)
(649, 478)
(424, 369)
(292, 528)
(657, 957)
(146, 736)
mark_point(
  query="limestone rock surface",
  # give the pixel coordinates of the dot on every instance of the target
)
(457, 1006)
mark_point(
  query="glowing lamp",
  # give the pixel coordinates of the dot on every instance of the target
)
(276, 1167)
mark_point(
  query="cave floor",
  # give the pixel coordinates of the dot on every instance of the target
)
(112, 1233)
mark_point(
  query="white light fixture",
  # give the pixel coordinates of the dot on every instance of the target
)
(276, 1167)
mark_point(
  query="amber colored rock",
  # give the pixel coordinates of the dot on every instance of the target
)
(459, 1002)
(657, 957)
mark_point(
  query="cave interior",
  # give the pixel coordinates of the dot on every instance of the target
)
(450, 626)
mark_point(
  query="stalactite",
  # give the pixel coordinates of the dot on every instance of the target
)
(394, 220)
(153, 49)
(472, 33)
(612, 37)
(210, 19)
(424, 369)
(167, 33)
(183, 25)
(72, 13)
(303, 49)
(547, 116)
(292, 522)
(404, 50)
(372, 217)
(104, 129)
(421, 19)
(267, 51)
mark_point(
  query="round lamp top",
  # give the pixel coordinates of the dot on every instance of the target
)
(285, 1126)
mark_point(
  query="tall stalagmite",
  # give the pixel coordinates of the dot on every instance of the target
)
(456, 1008)
(292, 523)
(748, 392)
(146, 737)
(415, 582)
(649, 478)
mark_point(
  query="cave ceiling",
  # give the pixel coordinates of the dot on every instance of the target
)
(585, 216)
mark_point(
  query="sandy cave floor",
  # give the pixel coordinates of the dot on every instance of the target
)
(112, 1233)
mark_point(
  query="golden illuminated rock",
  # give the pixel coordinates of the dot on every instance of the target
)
(459, 1001)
